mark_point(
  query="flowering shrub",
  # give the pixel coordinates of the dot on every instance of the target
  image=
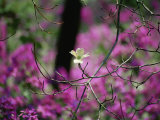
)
(124, 85)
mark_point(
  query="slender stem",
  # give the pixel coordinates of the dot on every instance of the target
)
(74, 114)
(114, 45)
(103, 62)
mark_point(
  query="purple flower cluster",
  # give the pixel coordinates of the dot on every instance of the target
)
(29, 114)
(8, 108)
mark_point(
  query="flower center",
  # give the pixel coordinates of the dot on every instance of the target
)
(78, 57)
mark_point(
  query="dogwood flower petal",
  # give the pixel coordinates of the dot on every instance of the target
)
(80, 51)
(78, 61)
(86, 55)
(73, 53)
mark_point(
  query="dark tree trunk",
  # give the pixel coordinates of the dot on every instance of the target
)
(67, 36)
(68, 32)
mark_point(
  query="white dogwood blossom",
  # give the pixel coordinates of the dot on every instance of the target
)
(79, 55)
